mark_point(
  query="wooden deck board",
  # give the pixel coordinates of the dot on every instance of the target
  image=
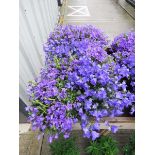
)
(121, 122)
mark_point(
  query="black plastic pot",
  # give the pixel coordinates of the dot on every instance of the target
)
(59, 2)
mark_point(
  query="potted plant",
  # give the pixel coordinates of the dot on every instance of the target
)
(81, 81)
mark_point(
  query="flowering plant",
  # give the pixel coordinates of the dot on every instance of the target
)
(123, 51)
(80, 82)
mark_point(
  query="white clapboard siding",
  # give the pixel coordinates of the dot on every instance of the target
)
(37, 18)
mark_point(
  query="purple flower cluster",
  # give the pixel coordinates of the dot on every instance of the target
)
(123, 51)
(81, 81)
(68, 41)
(51, 110)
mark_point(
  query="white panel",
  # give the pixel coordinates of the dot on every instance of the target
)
(37, 19)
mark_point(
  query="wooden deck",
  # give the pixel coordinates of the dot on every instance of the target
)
(121, 122)
(122, 137)
(29, 145)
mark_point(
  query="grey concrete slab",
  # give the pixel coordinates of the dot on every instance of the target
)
(128, 7)
(45, 150)
(24, 127)
(29, 144)
(105, 14)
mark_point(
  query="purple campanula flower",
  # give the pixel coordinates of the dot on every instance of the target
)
(96, 113)
(56, 136)
(94, 106)
(102, 93)
(63, 93)
(114, 128)
(75, 120)
(50, 139)
(96, 126)
(124, 71)
(27, 108)
(88, 104)
(83, 117)
(84, 123)
(123, 85)
(86, 132)
(43, 127)
(68, 85)
(38, 137)
(95, 135)
(55, 91)
(81, 98)
(106, 123)
(93, 81)
(119, 95)
(118, 112)
(104, 112)
(66, 135)
(69, 107)
(34, 128)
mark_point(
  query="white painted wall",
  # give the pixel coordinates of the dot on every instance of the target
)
(37, 18)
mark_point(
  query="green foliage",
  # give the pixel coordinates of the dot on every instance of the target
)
(104, 145)
(57, 62)
(64, 146)
(129, 148)
(60, 83)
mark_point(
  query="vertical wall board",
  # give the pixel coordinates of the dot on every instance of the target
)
(37, 18)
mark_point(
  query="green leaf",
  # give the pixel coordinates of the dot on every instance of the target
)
(104, 145)
(64, 146)
(57, 62)
(129, 148)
